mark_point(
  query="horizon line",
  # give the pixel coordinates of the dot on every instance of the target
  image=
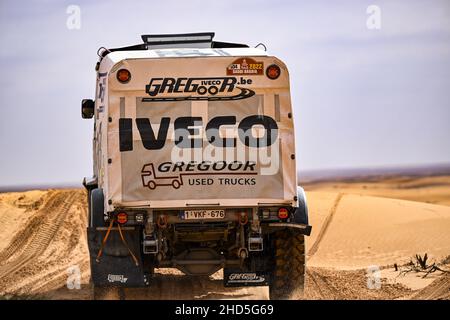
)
(308, 175)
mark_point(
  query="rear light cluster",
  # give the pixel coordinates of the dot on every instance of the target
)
(275, 213)
(130, 218)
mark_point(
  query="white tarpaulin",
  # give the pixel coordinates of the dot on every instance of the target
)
(198, 130)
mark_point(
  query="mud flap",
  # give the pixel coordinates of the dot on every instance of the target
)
(116, 267)
(238, 278)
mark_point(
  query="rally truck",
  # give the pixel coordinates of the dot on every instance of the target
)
(194, 166)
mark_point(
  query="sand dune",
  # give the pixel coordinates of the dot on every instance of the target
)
(435, 190)
(367, 230)
(44, 235)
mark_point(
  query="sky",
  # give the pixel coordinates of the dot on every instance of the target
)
(362, 97)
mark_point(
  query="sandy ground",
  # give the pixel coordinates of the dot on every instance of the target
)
(435, 190)
(360, 230)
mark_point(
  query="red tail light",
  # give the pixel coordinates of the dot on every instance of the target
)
(283, 213)
(122, 218)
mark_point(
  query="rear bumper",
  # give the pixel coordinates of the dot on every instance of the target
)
(302, 228)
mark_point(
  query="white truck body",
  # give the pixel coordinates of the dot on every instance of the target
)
(135, 170)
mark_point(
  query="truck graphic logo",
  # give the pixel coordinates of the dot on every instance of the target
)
(151, 180)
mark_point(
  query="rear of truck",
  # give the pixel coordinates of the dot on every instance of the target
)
(194, 168)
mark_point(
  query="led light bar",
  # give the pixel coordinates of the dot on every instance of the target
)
(158, 40)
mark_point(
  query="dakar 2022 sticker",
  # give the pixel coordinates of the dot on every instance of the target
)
(245, 66)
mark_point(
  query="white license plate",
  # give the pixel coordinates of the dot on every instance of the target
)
(203, 214)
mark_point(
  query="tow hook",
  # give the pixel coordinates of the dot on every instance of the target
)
(255, 242)
(150, 244)
(162, 221)
(243, 253)
(243, 219)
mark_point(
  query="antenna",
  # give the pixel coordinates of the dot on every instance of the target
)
(261, 44)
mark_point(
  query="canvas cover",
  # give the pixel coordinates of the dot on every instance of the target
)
(197, 131)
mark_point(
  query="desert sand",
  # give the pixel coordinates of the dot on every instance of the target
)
(356, 225)
(428, 189)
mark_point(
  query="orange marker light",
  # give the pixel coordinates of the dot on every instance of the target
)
(123, 75)
(273, 71)
(283, 213)
(122, 218)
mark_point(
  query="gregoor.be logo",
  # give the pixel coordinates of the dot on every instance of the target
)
(214, 88)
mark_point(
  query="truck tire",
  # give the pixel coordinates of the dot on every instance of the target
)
(288, 265)
(97, 208)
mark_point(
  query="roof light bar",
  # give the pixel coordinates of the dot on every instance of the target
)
(164, 39)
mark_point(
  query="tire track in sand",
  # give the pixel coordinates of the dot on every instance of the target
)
(321, 287)
(325, 226)
(23, 236)
(439, 289)
(53, 214)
